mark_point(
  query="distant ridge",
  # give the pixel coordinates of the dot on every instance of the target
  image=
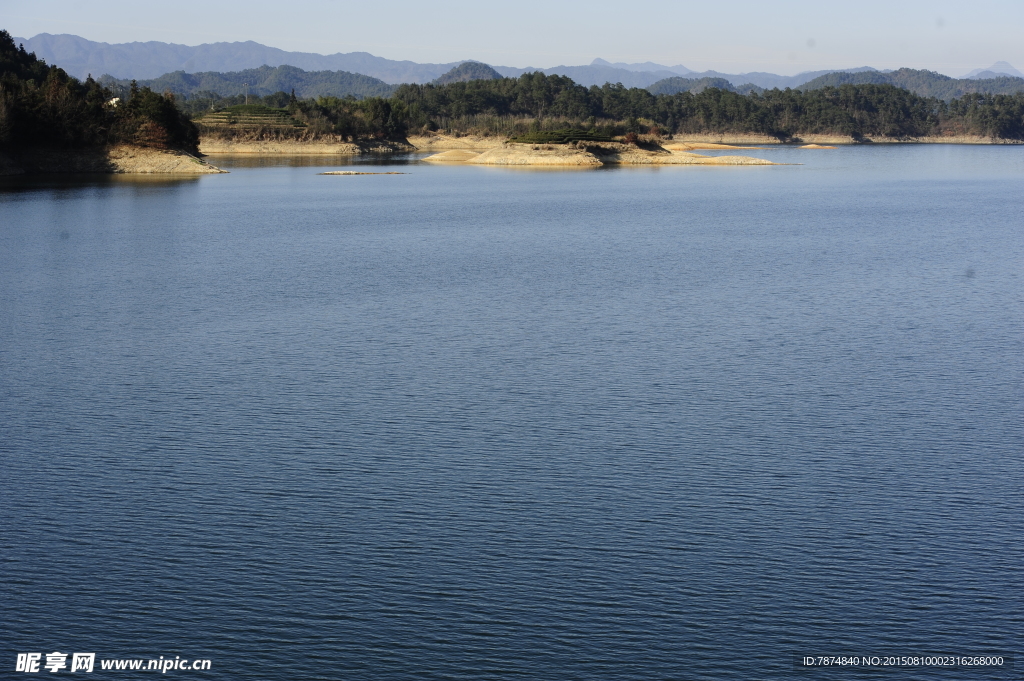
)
(1000, 68)
(80, 57)
(769, 81)
(266, 80)
(924, 83)
(645, 66)
(759, 79)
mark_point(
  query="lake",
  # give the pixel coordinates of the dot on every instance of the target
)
(485, 423)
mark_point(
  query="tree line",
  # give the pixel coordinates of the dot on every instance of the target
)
(852, 110)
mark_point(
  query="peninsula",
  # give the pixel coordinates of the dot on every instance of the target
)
(51, 122)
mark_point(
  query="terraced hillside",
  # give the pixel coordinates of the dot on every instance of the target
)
(248, 117)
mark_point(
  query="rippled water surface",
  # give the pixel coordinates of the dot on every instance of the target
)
(473, 423)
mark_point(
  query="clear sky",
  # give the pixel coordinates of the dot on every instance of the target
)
(726, 35)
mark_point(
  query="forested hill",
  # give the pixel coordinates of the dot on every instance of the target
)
(537, 102)
(42, 106)
(264, 80)
(924, 83)
(850, 110)
(470, 70)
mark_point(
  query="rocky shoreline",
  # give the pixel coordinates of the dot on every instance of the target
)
(119, 159)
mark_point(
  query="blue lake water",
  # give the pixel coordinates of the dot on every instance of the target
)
(480, 423)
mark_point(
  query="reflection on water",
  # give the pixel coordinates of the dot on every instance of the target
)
(20, 183)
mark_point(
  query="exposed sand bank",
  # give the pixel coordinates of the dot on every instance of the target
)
(453, 156)
(817, 146)
(522, 155)
(582, 155)
(439, 141)
(626, 155)
(119, 159)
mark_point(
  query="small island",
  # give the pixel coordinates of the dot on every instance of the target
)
(583, 148)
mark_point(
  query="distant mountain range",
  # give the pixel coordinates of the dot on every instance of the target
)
(758, 78)
(80, 57)
(678, 69)
(184, 68)
(924, 83)
(1000, 68)
(149, 60)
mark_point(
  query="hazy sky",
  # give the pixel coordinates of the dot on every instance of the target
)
(727, 35)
